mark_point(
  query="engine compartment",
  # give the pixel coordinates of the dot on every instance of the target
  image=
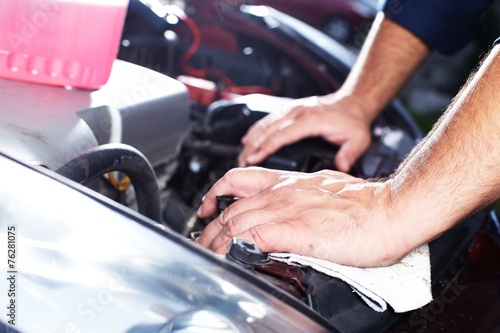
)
(239, 64)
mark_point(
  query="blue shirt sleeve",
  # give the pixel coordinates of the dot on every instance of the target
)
(444, 25)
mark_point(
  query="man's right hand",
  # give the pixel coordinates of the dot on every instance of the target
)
(327, 215)
(338, 119)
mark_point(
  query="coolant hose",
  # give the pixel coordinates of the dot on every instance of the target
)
(111, 157)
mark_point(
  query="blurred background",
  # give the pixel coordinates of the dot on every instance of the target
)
(348, 21)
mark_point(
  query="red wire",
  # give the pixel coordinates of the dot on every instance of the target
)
(195, 31)
(231, 88)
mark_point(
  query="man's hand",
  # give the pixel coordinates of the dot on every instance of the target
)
(388, 58)
(338, 119)
(327, 215)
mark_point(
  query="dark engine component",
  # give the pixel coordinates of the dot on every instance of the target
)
(107, 158)
(212, 146)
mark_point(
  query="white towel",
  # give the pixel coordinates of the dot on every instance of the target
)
(405, 286)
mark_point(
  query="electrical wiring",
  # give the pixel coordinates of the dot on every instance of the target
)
(230, 89)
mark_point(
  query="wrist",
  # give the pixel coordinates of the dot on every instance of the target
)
(381, 227)
(394, 229)
(414, 222)
(356, 104)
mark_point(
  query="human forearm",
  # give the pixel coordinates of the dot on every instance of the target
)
(456, 169)
(388, 58)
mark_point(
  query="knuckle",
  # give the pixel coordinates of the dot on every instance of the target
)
(271, 144)
(224, 217)
(230, 173)
(259, 237)
(231, 176)
(230, 229)
(253, 145)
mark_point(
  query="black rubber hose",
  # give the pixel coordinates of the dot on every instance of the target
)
(106, 158)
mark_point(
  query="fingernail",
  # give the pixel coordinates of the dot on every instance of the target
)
(198, 212)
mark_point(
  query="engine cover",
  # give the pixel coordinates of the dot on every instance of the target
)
(48, 125)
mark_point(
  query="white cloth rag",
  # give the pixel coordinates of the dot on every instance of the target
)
(405, 286)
